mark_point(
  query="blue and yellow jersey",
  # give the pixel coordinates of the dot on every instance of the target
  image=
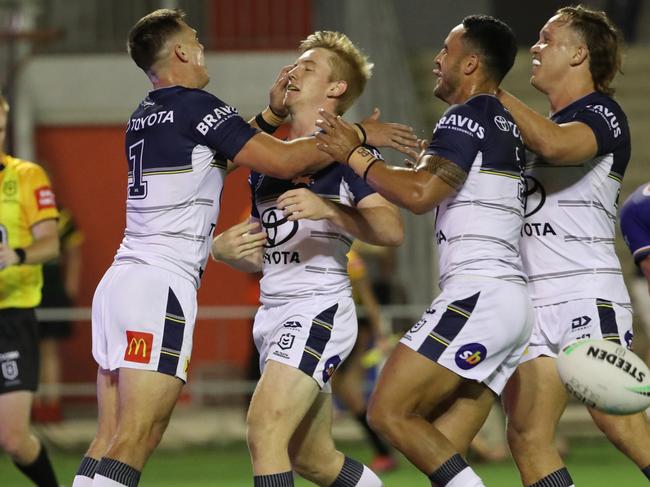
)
(26, 198)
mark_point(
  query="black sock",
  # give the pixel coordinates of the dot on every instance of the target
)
(87, 467)
(559, 478)
(40, 471)
(284, 479)
(380, 447)
(646, 471)
(448, 470)
(118, 471)
(350, 474)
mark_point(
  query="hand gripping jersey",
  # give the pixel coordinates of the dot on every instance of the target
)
(635, 222)
(305, 258)
(568, 235)
(177, 143)
(478, 228)
(26, 198)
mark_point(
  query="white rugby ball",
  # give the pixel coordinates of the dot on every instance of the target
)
(605, 375)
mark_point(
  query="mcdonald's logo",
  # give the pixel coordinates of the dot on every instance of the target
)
(138, 346)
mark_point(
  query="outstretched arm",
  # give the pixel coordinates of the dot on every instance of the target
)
(374, 220)
(241, 246)
(561, 144)
(418, 190)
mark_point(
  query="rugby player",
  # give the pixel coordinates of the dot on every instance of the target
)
(567, 245)
(438, 385)
(307, 323)
(177, 143)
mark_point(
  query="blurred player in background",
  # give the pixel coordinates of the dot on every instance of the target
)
(307, 324)
(635, 226)
(61, 284)
(351, 380)
(575, 278)
(28, 237)
(439, 383)
(177, 143)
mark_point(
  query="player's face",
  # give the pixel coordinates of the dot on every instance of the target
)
(189, 39)
(3, 129)
(447, 65)
(552, 54)
(310, 82)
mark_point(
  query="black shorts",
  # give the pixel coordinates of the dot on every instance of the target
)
(19, 359)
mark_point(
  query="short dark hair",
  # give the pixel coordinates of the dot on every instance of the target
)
(494, 40)
(149, 35)
(603, 42)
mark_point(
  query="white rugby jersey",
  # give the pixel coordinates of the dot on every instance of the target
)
(568, 234)
(477, 229)
(305, 258)
(177, 142)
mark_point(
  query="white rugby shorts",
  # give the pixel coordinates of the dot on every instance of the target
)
(557, 325)
(313, 335)
(478, 328)
(143, 318)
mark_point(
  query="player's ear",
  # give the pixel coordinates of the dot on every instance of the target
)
(472, 62)
(181, 52)
(337, 88)
(580, 55)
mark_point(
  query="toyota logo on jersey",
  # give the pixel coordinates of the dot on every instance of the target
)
(277, 227)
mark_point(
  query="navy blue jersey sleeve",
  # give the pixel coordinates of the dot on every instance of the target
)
(635, 223)
(358, 187)
(252, 182)
(458, 136)
(218, 125)
(607, 121)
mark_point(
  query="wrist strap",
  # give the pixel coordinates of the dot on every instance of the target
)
(20, 252)
(365, 173)
(264, 125)
(362, 131)
(268, 120)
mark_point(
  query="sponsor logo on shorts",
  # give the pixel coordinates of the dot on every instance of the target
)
(9, 369)
(330, 367)
(629, 335)
(138, 346)
(45, 198)
(580, 322)
(286, 341)
(418, 325)
(292, 324)
(470, 355)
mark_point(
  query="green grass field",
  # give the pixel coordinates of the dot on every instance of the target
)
(592, 463)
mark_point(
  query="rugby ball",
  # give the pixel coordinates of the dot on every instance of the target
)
(605, 375)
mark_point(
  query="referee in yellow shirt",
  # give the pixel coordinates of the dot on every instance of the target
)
(28, 237)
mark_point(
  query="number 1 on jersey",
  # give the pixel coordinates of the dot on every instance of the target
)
(138, 187)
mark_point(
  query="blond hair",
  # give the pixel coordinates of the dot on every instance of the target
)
(348, 63)
(603, 42)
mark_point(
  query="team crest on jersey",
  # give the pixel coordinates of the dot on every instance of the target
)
(10, 188)
(277, 227)
(44, 197)
(292, 324)
(330, 367)
(470, 355)
(286, 341)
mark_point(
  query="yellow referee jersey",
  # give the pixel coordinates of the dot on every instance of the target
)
(26, 198)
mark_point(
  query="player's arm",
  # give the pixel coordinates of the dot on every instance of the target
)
(644, 265)
(419, 190)
(374, 220)
(45, 246)
(561, 144)
(241, 246)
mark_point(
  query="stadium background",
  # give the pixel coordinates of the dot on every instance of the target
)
(72, 87)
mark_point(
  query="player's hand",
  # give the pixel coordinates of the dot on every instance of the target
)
(337, 138)
(7, 256)
(417, 163)
(302, 203)
(238, 241)
(387, 134)
(278, 92)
